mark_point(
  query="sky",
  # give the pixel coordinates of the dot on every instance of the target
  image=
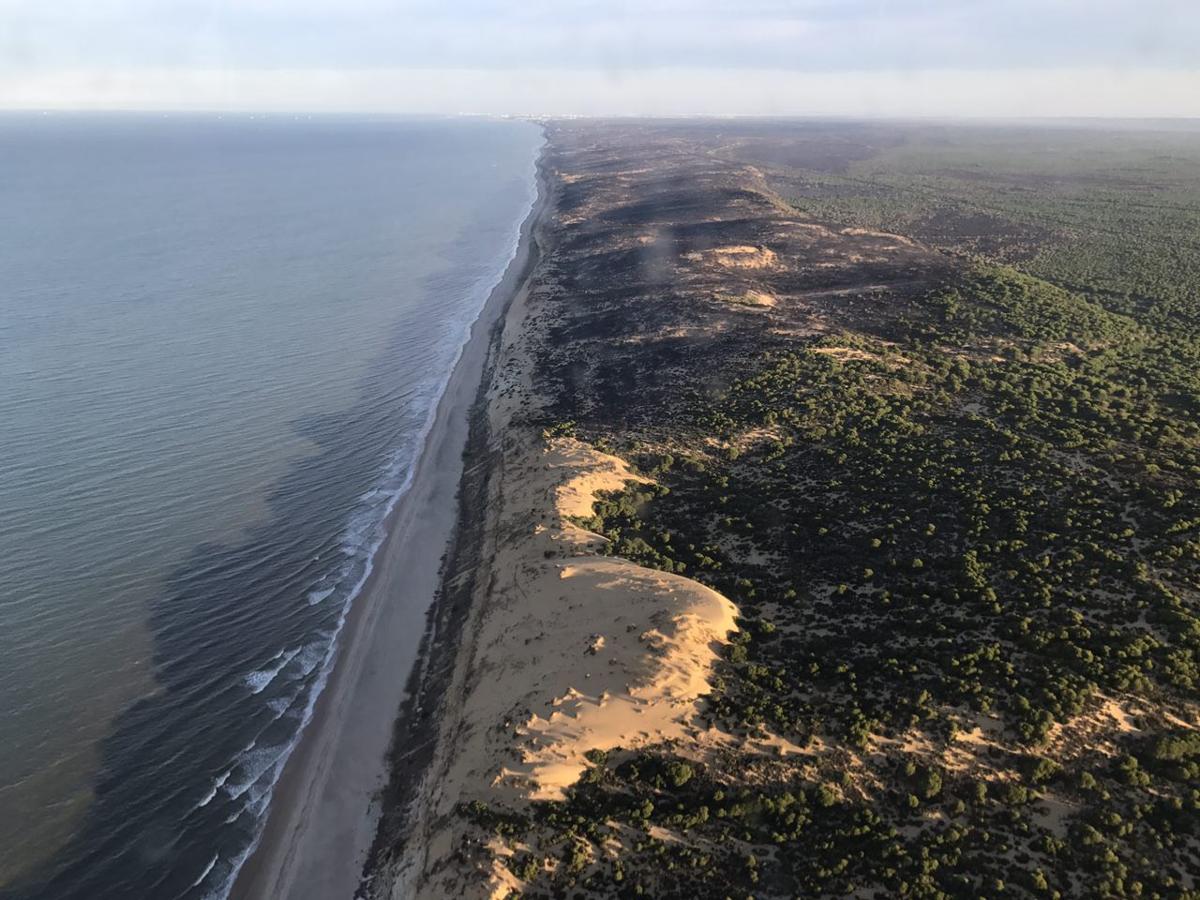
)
(607, 57)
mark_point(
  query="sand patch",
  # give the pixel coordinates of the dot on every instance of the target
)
(737, 256)
(809, 226)
(845, 353)
(750, 298)
(1055, 813)
(867, 232)
(633, 684)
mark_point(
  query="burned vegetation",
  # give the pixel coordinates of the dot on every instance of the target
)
(944, 458)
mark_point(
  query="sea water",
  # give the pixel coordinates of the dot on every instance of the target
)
(221, 342)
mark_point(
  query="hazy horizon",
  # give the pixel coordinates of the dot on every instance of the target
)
(855, 58)
(1115, 123)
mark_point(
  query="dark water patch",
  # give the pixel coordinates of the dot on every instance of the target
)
(242, 627)
(240, 648)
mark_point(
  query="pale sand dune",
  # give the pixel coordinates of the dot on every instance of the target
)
(570, 651)
(607, 653)
(898, 239)
(633, 646)
(737, 256)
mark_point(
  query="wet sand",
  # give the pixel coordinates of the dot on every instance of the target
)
(326, 806)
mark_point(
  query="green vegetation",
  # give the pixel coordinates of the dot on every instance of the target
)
(1115, 214)
(924, 837)
(971, 518)
(1022, 527)
(959, 539)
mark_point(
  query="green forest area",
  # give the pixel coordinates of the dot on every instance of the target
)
(966, 549)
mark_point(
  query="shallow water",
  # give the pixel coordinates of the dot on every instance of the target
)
(220, 341)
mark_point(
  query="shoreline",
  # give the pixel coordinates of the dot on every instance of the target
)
(322, 820)
(418, 729)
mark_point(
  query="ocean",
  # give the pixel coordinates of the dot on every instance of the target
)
(221, 343)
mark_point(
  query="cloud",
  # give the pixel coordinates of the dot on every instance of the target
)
(806, 35)
(593, 39)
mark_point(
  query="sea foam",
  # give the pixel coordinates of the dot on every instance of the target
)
(259, 680)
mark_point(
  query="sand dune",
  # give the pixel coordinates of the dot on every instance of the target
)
(624, 651)
(571, 651)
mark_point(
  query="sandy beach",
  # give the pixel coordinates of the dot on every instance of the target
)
(326, 806)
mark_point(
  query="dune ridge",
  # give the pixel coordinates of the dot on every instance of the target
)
(568, 651)
(632, 646)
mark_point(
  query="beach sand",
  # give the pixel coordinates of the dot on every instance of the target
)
(326, 806)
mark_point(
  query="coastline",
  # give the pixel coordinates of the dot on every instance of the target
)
(325, 808)
(546, 649)
(418, 737)
(582, 723)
